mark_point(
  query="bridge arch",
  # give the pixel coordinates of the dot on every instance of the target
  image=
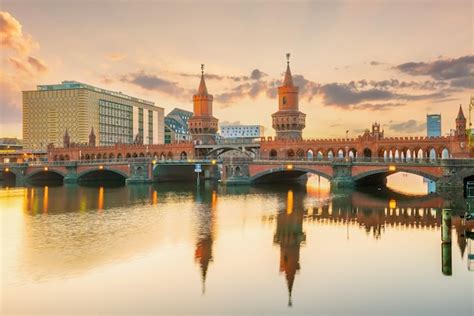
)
(384, 173)
(295, 172)
(42, 175)
(98, 174)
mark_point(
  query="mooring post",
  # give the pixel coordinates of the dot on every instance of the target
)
(446, 247)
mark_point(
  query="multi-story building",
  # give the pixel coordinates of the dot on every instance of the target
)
(242, 131)
(79, 108)
(433, 125)
(176, 126)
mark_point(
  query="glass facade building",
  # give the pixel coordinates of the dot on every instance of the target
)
(115, 123)
(433, 125)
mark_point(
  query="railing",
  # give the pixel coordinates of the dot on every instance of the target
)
(111, 161)
(376, 160)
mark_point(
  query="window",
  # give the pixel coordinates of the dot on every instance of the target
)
(283, 100)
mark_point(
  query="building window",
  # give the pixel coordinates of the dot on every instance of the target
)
(115, 123)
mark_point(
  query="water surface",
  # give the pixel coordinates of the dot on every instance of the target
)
(180, 249)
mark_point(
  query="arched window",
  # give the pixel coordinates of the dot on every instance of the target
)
(310, 154)
(273, 154)
(445, 153)
(290, 154)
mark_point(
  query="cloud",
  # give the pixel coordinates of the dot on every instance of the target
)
(211, 76)
(154, 83)
(465, 82)
(443, 69)
(257, 74)
(376, 63)
(410, 126)
(18, 64)
(116, 56)
(37, 64)
(343, 94)
(12, 36)
(377, 106)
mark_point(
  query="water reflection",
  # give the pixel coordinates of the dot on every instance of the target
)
(71, 230)
(289, 236)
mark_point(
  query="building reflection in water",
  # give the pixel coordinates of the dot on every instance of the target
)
(206, 213)
(289, 236)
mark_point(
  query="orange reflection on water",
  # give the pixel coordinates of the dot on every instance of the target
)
(289, 203)
(100, 199)
(154, 198)
(45, 199)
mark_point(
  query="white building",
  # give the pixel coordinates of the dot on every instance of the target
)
(242, 131)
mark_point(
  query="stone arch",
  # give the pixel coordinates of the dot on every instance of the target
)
(340, 153)
(135, 155)
(300, 153)
(183, 155)
(87, 157)
(170, 155)
(290, 154)
(284, 169)
(119, 156)
(367, 153)
(320, 154)
(445, 153)
(273, 154)
(162, 156)
(128, 155)
(387, 173)
(141, 155)
(45, 175)
(310, 154)
(111, 156)
(330, 154)
(99, 156)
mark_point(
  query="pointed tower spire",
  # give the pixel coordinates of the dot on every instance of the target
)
(288, 81)
(461, 113)
(66, 140)
(202, 85)
(92, 137)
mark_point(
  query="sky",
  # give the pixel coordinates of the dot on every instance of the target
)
(355, 62)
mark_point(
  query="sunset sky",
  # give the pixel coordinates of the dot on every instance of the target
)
(355, 62)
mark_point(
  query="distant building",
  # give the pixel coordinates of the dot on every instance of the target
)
(433, 125)
(176, 126)
(242, 131)
(80, 108)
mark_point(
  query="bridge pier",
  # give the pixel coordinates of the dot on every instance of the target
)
(140, 172)
(71, 175)
(342, 175)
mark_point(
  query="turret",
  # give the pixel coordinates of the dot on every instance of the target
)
(460, 124)
(288, 121)
(66, 140)
(202, 125)
(92, 138)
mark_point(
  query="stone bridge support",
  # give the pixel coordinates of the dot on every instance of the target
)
(342, 175)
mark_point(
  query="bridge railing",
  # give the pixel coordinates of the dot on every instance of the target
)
(362, 160)
(110, 161)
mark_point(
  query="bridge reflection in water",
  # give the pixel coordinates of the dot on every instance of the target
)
(111, 224)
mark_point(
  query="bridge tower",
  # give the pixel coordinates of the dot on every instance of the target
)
(288, 121)
(202, 125)
(461, 124)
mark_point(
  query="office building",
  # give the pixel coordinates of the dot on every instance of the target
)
(176, 126)
(433, 125)
(79, 108)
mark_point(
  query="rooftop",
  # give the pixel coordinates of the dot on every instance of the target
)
(65, 85)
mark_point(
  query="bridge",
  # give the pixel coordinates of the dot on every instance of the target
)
(132, 170)
(347, 172)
